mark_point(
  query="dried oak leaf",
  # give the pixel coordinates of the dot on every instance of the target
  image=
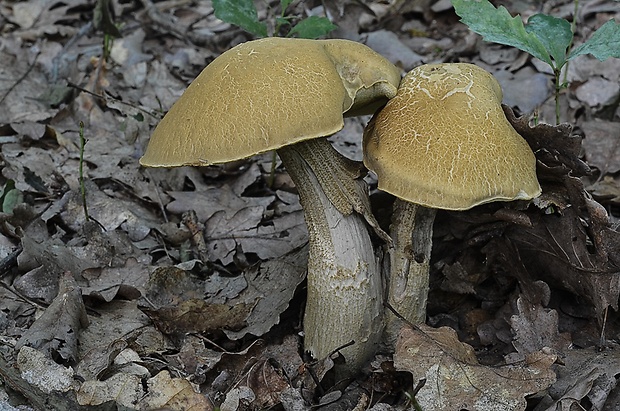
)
(174, 301)
(573, 253)
(585, 373)
(455, 380)
(601, 145)
(208, 202)
(267, 380)
(107, 283)
(236, 223)
(165, 392)
(534, 326)
(574, 247)
(122, 388)
(56, 331)
(270, 288)
(199, 316)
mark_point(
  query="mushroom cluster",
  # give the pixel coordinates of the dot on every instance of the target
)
(438, 140)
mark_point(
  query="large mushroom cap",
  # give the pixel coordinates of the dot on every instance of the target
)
(269, 93)
(444, 141)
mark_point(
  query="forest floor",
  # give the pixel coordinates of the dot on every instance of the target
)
(132, 308)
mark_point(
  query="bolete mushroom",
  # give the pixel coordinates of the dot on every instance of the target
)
(442, 143)
(287, 94)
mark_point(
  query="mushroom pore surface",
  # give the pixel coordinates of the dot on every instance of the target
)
(444, 141)
(266, 94)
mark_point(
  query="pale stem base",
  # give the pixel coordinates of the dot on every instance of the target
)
(344, 301)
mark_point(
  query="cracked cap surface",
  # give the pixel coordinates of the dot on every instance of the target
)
(444, 141)
(269, 93)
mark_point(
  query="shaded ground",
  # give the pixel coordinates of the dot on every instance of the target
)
(134, 309)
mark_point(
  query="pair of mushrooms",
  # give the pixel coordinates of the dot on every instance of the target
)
(442, 141)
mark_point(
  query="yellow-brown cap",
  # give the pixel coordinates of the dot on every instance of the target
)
(269, 93)
(444, 141)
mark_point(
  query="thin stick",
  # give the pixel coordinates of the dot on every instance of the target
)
(81, 170)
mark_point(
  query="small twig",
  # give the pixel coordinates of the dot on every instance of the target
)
(202, 337)
(403, 319)
(602, 340)
(81, 171)
(106, 99)
(191, 222)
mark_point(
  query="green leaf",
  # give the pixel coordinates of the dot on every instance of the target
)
(284, 21)
(241, 13)
(604, 42)
(284, 5)
(554, 33)
(103, 20)
(11, 199)
(312, 27)
(497, 25)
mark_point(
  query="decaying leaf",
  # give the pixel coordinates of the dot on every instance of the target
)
(536, 327)
(56, 331)
(574, 249)
(251, 304)
(455, 380)
(107, 283)
(42, 372)
(602, 152)
(111, 213)
(199, 316)
(165, 392)
(260, 387)
(236, 223)
(586, 379)
(98, 360)
(174, 301)
(122, 388)
(271, 286)
(118, 320)
(208, 202)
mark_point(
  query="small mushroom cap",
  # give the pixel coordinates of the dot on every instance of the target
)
(269, 93)
(444, 141)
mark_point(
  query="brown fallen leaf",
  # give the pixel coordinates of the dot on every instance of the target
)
(267, 381)
(573, 244)
(536, 327)
(586, 378)
(601, 145)
(174, 300)
(56, 331)
(455, 380)
(107, 283)
(169, 393)
(122, 388)
(270, 288)
(198, 316)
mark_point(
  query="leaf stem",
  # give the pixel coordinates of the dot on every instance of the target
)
(558, 87)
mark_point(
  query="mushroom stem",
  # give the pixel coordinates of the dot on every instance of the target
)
(344, 281)
(408, 278)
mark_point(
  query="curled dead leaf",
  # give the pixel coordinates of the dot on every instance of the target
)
(455, 380)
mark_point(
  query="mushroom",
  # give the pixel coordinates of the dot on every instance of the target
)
(286, 95)
(442, 143)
